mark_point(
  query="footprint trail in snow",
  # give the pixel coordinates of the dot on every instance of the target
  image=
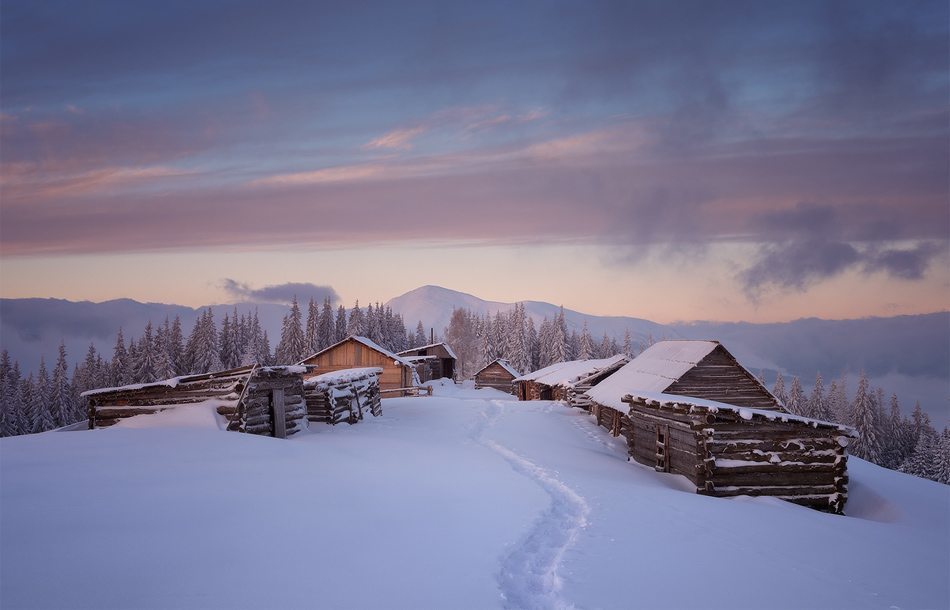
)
(529, 572)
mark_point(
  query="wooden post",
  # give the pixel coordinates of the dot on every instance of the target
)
(277, 413)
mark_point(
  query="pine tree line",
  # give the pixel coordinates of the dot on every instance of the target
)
(885, 436)
(50, 400)
(478, 339)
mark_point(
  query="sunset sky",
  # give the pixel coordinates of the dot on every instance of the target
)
(757, 161)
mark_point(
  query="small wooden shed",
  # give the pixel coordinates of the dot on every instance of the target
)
(433, 361)
(343, 396)
(701, 369)
(498, 375)
(259, 400)
(556, 381)
(360, 352)
(727, 450)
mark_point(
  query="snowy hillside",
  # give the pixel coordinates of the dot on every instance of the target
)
(461, 500)
(434, 304)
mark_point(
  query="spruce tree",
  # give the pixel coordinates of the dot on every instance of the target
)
(340, 325)
(175, 344)
(586, 351)
(420, 339)
(292, 346)
(533, 347)
(604, 351)
(866, 422)
(311, 334)
(778, 390)
(40, 407)
(119, 364)
(796, 398)
(61, 396)
(559, 338)
(354, 323)
(164, 369)
(818, 402)
(17, 408)
(144, 363)
(7, 418)
(627, 344)
(325, 327)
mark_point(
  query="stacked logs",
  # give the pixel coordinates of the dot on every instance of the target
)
(257, 400)
(730, 451)
(343, 396)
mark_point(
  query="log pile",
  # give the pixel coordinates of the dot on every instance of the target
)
(732, 451)
(247, 398)
(343, 396)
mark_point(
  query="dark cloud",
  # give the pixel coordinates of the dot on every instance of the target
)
(280, 293)
(908, 264)
(798, 264)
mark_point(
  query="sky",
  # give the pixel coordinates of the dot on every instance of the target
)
(758, 161)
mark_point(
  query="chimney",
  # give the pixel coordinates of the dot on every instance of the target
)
(432, 335)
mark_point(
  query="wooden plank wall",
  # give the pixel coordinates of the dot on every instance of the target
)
(353, 354)
(720, 377)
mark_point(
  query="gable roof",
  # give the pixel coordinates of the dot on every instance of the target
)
(368, 343)
(503, 364)
(572, 371)
(422, 347)
(656, 369)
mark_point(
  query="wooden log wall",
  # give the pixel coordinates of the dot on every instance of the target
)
(352, 354)
(725, 455)
(272, 394)
(346, 400)
(108, 407)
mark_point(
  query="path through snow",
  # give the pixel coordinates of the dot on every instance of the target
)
(529, 572)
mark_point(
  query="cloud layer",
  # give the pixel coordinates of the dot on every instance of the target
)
(280, 293)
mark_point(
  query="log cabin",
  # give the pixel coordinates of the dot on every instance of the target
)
(498, 375)
(555, 382)
(267, 401)
(700, 369)
(433, 361)
(360, 352)
(726, 450)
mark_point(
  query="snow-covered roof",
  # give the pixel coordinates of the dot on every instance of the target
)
(421, 347)
(656, 369)
(174, 381)
(568, 373)
(418, 359)
(662, 400)
(342, 376)
(503, 364)
(368, 343)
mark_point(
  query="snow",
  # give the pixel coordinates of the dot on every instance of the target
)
(342, 376)
(503, 364)
(566, 373)
(462, 499)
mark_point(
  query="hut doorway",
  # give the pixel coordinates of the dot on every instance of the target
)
(546, 393)
(277, 412)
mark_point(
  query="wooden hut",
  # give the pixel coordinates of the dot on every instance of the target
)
(259, 400)
(343, 396)
(498, 374)
(555, 382)
(727, 450)
(359, 352)
(700, 369)
(433, 361)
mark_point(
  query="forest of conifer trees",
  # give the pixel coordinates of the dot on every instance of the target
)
(50, 399)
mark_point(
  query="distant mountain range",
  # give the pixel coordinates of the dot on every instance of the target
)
(909, 355)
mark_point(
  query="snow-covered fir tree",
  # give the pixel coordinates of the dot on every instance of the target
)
(604, 351)
(818, 402)
(143, 365)
(311, 340)
(559, 338)
(40, 401)
(797, 404)
(340, 325)
(164, 367)
(586, 351)
(778, 390)
(533, 347)
(838, 401)
(325, 326)
(292, 347)
(60, 396)
(176, 347)
(355, 325)
(118, 365)
(7, 419)
(867, 422)
(420, 337)
(627, 343)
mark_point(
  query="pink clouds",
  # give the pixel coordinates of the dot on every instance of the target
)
(397, 139)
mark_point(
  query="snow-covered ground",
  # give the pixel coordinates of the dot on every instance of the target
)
(466, 499)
